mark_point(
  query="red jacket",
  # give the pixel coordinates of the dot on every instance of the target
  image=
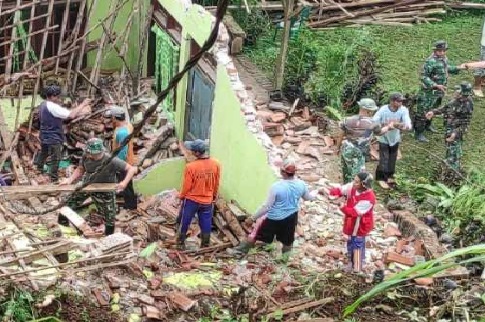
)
(351, 212)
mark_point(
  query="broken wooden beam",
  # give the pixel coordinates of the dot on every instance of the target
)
(21, 192)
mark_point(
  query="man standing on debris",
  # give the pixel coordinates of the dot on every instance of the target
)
(90, 169)
(359, 216)
(122, 130)
(457, 116)
(281, 210)
(434, 78)
(355, 136)
(199, 192)
(52, 138)
(396, 117)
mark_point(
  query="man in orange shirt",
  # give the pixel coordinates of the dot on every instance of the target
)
(199, 191)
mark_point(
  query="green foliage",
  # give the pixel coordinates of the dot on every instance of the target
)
(254, 24)
(18, 308)
(425, 269)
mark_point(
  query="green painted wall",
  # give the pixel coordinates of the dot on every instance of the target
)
(246, 175)
(166, 175)
(110, 57)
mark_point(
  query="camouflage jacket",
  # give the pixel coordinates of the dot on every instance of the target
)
(358, 130)
(435, 72)
(457, 115)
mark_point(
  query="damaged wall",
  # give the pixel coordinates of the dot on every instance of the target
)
(237, 139)
(111, 61)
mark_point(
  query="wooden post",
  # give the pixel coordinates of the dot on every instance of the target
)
(63, 32)
(97, 64)
(144, 37)
(8, 67)
(39, 71)
(285, 37)
(75, 33)
(123, 50)
(24, 65)
(83, 48)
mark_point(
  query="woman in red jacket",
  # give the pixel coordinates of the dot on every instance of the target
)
(358, 215)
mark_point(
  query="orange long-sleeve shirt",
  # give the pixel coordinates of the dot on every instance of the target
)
(201, 181)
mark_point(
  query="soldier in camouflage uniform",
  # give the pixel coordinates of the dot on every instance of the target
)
(434, 78)
(354, 140)
(457, 117)
(90, 170)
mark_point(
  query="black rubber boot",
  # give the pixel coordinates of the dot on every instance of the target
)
(181, 242)
(109, 230)
(419, 136)
(241, 249)
(205, 240)
(430, 128)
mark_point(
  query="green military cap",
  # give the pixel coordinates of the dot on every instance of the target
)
(94, 146)
(440, 45)
(367, 104)
(466, 89)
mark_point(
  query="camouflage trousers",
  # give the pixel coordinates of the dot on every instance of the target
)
(105, 203)
(426, 101)
(353, 161)
(453, 154)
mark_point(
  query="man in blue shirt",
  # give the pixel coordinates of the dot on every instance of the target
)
(281, 210)
(122, 130)
(397, 117)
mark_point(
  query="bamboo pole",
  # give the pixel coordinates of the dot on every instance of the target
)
(141, 57)
(83, 48)
(39, 71)
(118, 50)
(124, 46)
(63, 32)
(75, 33)
(8, 68)
(16, 8)
(27, 20)
(97, 64)
(24, 65)
(32, 34)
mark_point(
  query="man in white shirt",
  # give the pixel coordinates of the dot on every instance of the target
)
(52, 138)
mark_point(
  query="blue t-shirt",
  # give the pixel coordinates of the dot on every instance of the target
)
(121, 134)
(287, 195)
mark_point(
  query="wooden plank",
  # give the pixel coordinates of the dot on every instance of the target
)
(76, 220)
(17, 169)
(5, 134)
(75, 33)
(11, 191)
(63, 32)
(225, 231)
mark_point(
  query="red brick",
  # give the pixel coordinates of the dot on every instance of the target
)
(183, 302)
(400, 245)
(303, 147)
(278, 117)
(390, 257)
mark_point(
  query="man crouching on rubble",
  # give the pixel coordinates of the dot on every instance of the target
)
(89, 167)
(281, 210)
(199, 192)
(358, 216)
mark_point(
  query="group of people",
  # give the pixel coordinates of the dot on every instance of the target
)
(278, 217)
(387, 123)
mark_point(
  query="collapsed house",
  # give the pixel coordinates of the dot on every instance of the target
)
(125, 52)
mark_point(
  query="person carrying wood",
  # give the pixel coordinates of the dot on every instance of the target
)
(434, 79)
(199, 192)
(396, 116)
(355, 136)
(358, 213)
(52, 138)
(122, 130)
(90, 170)
(281, 211)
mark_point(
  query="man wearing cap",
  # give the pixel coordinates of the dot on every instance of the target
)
(90, 170)
(434, 78)
(281, 211)
(395, 116)
(355, 136)
(122, 130)
(199, 192)
(456, 116)
(52, 138)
